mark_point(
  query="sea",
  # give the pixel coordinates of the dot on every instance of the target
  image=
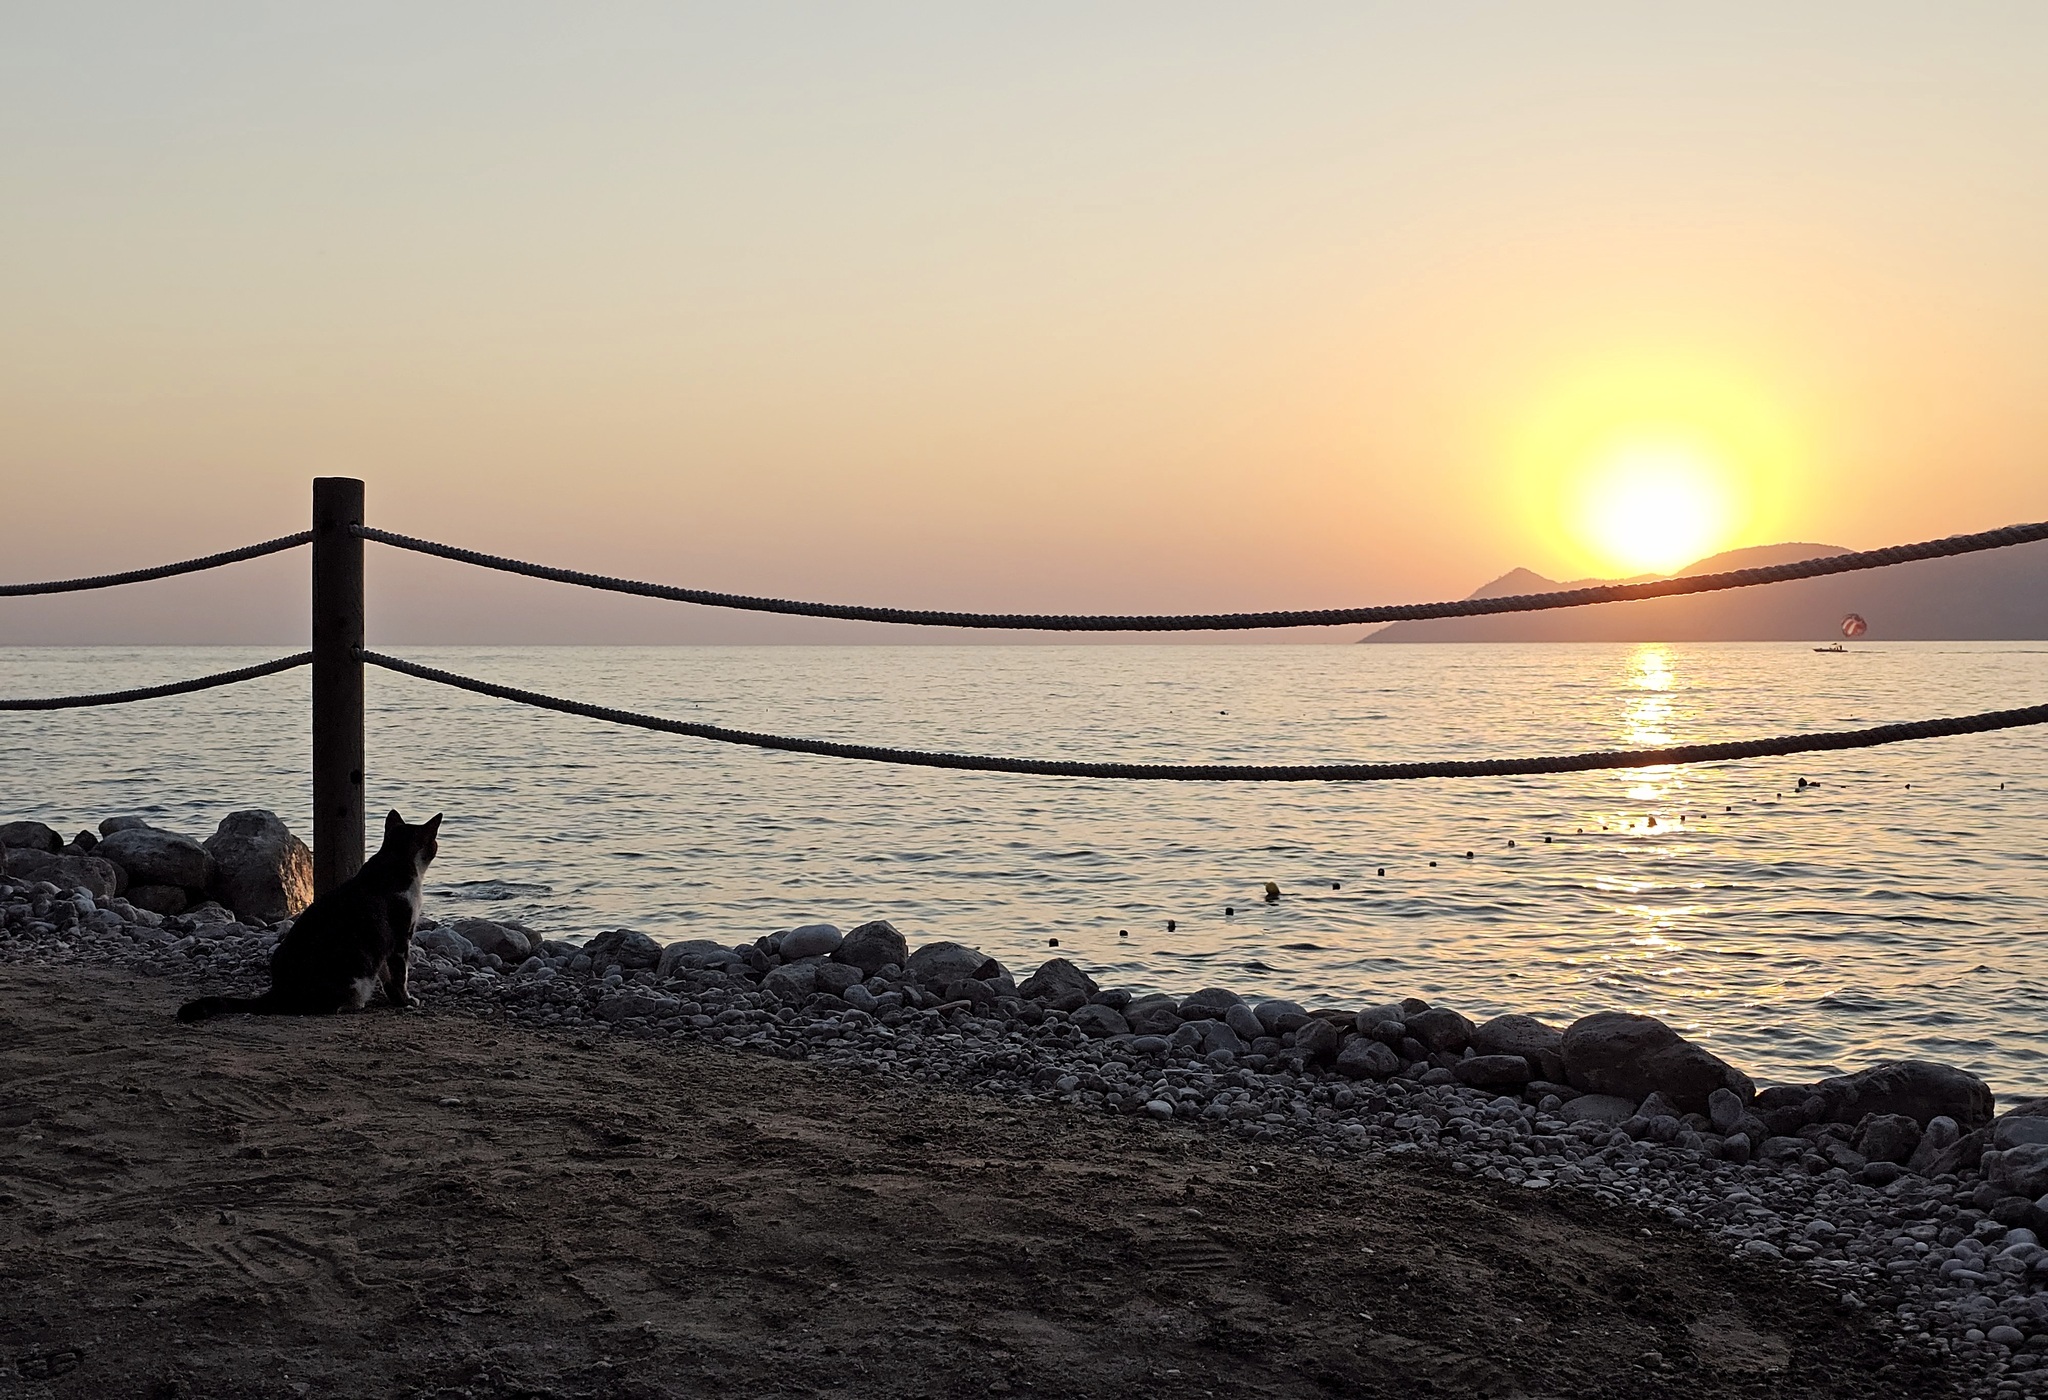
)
(1894, 905)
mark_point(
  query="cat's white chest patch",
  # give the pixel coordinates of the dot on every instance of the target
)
(361, 989)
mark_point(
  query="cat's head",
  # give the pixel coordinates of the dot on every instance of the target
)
(417, 844)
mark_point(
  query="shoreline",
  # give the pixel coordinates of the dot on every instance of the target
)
(1925, 1258)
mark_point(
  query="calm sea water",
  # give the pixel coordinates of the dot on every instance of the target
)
(1898, 906)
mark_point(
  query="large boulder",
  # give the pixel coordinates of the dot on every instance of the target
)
(791, 982)
(2019, 1171)
(1362, 1057)
(1153, 1015)
(1101, 1022)
(30, 836)
(1278, 1016)
(445, 941)
(261, 870)
(101, 879)
(153, 857)
(2022, 1123)
(1605, 1110)
(1440, 1028)
(1632, 1057)
(630, 949)
(1888, 1137)
(1502, 1072)
(1919, 1089)
(936, 964)
(1541, 1045)
(692, 952)
(809, 941)
(159, 899)
(872, 947)
(510, 944)
(1060, 985)
(1209, 1004)
(114, 824)
(1318, 1041)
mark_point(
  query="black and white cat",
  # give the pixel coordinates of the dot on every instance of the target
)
(348, 940)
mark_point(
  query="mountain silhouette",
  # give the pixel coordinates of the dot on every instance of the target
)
(1998, 595)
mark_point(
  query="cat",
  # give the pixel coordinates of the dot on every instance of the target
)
(348, 940)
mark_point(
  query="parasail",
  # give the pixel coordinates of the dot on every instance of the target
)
(1853, 626)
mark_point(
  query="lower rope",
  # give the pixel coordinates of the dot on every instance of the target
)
(158, 692)
(1258, 773)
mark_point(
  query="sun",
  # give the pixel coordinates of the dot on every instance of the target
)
(1650, 506)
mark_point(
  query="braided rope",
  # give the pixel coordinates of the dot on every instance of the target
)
(1204, 622)
(158, 692)
(1234, 772)
(184, 566)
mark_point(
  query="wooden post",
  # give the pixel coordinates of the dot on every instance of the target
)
(337, 681)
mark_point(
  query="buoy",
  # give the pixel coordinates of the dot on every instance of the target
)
(1052, 943)
(1802, 782)
(1272, 892)
(1383, 870)
(1546, 840)
(1432, 865)
(1170, 926)
(1336, 884)
(1468, 855)
(1230, 911)
(1511, 844)
(1649, 821)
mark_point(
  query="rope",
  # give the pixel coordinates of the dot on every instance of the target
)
(157, 692)
(1204, 622)
(1262, 773)
(185, 566)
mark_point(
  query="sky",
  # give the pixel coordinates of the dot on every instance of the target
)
(1145, 307)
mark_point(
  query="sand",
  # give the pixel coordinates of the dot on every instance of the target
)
(436, 1204)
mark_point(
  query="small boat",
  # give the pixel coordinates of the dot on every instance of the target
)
(1836, 647)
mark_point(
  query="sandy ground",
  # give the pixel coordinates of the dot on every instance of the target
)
(433, 1204)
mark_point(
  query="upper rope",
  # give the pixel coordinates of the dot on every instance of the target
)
(183, 566)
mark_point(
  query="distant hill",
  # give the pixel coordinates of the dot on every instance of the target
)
(1999, 595)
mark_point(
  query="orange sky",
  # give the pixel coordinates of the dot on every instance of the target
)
(1160, 308)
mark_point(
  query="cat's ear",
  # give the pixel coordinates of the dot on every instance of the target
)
(393, 825)
(433, 826)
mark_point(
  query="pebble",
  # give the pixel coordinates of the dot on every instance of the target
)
(1967, 1288)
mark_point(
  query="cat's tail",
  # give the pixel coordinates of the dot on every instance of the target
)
(268, 1003)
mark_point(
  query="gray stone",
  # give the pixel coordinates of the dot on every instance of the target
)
(1660, 1105)
(102, 879)
(1783, 1149)
(1489, 1071)
(1245, 1022)
(446, 942)
(488, 937)
(1100, 1022)
(2019, 1171)
(1540, 1044)
(936, 964)
(629, 948)
(2022, 1123)
(1217, 1035)
(1279, 1017)
(809, 941)
(1440, 1028)
(1724, 1110)
(1617, 1052)
(31, 836)
(2006, 1335)
(1887, 1137)
(1735, 1148)
(872, 947)
(84, 841)
(1608, 1110)
(1208, 1004)
(836, 978)
(1318, 1041)
(1919, 1089)
(1059, 984)
(261, 870)
(1389, 1032)
(689, 953)
(1153, 1015)
(153, 857)
(1362, 1057)
(114, 824)
(1939, 1133)
(1150, 1045)
(791, 982)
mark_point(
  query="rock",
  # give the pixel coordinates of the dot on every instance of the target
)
(1659, 1105)
(872, 947)
(1217, 1035)
(1783, 1149)
(209, 913)
(1617, 1052)
(260, 868)
(1961, 1155)
(2019, 1171)
(1608, 1110)
(690, 952)
(31, 836)
(836, 978)
(101, 879)
(1100, 1022)
(166, 900)
(793, 982)
(488, 937)
(1938, 1134)
(809, 941)
(1318, 1041)
(629, 948)
(1362, 1057)
(2006, 1335)
(84, 841)
(1390, 1033)
(1919, 1089)
(1439, 1028)
(1724, 1111)
(152, 857)
(446, 942)
(1278, 1017)
(114, 824)
(1506, 1072)
(1153, 1015)
(1209, 1004)
(1245, 1022)
(1159, 1108)
(1541, 1045)
(2022, 1123)
(1887, 1137)
(1060, 985)
(936, 964)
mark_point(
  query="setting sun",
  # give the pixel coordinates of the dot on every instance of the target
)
(1654, 506)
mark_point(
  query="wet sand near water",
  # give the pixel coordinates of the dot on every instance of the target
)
(435, 1203)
